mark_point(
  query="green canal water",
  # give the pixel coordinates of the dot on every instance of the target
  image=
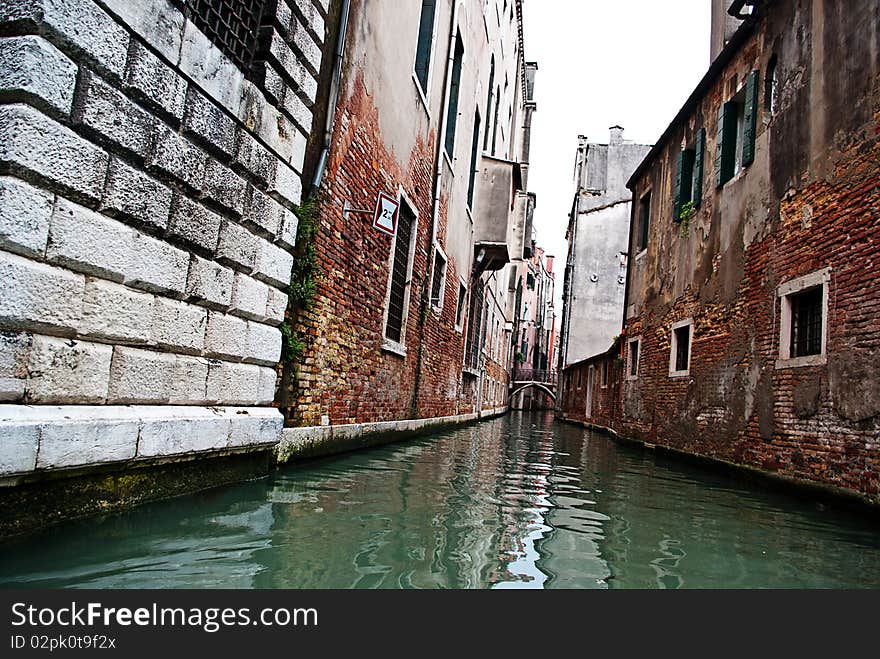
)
(518, 502)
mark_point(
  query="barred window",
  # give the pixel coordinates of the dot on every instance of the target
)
(400, 269)
(806, 323)
(231, 25)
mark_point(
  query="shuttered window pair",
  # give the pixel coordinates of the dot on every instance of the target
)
(689, 176)
(737, 120)
(424, 44)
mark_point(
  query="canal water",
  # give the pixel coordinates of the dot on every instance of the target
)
(518, 502)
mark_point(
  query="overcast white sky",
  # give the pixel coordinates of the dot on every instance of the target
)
(601, 63)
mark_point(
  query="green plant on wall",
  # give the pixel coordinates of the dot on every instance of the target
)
(303, 277)
(520, 358)
(687, 212)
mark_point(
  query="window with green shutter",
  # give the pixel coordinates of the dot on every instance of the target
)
(750, 120)
(454, 90)
(697, 178)
(684, 175)
(425, 41)
(725, 152)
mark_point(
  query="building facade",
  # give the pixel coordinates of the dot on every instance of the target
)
(151, 162)
(434, 105)
(753, 315)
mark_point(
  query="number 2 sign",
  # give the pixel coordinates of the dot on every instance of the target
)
(385, 215)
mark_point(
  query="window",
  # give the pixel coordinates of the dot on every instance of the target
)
(438, 281)
(231, 25)
(495, 119)
(475, 148)
(475, 321)
(737, 122)
(425, 44)
(454, 88)
(680, 349)
(579, 378)
(401, 264)
(804, 320)
(489, 101)
(604, 381)
(689, 177)
(771, 87)
(632, 369)
(644, 222)
(530, 281)
(459, 310)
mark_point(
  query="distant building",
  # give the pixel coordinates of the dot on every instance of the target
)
(534, 330)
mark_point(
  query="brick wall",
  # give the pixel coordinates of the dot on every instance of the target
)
(576, 382)
(808, 202)
(147, 188)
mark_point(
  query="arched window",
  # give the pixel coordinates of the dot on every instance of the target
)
(771, 87)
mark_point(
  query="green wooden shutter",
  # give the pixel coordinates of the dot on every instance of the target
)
(679, 202)
(697, 184)
(750, 120)
(725, 154)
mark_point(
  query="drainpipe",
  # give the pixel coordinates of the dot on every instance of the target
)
(334, 94)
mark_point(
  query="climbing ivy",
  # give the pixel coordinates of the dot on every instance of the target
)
(687, 212)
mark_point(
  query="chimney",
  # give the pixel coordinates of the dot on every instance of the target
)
(723, 27)
(616, 135)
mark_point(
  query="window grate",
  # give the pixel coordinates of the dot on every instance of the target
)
(475, 321)
(396, 300)
(682, 348)
(806, 323)
(231, 25)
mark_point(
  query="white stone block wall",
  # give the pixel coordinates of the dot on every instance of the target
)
(147, 196)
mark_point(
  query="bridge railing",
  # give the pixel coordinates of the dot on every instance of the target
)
(533, 375)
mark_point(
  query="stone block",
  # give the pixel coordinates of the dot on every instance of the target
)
(254, 158)
(263, 214)
(273, 264)
(226, 337)
(177, 430)
(276, 307)
(233, 384)
(15, 348)
(32, 66)
(86, 241)
(150, 79)
(311, 19)
(36, 295)
(255, 427)
(25, 212)
(210, 68)
(144, 376)
(209, 283)
(270, 82)
(286, 184)
(193, 223)
(134, 195)
(268, 378)
(75, 435)
(208, 123)
(156, 266)
(297, 110)
(80, 24)
(111, 116)
(289, 227)
(225, 187)
(157, 21)
(32, 142)
(249, 297)
(305, 84)
(305, 46)
(64, 370)
(19, 438)
(179, 326)
(237, 246)
(115, 312)
(263, 344)
(175, 156)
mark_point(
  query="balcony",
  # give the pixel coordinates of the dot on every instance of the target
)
(499, 213)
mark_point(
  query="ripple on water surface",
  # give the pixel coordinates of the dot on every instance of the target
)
(522, 502)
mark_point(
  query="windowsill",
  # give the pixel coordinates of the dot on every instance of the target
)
(459, 329)
(473, 372)
(448, 162)
(632, 378)
(393, 347)
(641, 254)
(807, 360)
(679, 374)
(421, 93)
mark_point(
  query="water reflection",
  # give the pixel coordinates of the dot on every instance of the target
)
(522, 502)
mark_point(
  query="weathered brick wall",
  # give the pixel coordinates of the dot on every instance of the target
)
(809, 201)
(147, 189)
(605, 402)
(345, 374)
